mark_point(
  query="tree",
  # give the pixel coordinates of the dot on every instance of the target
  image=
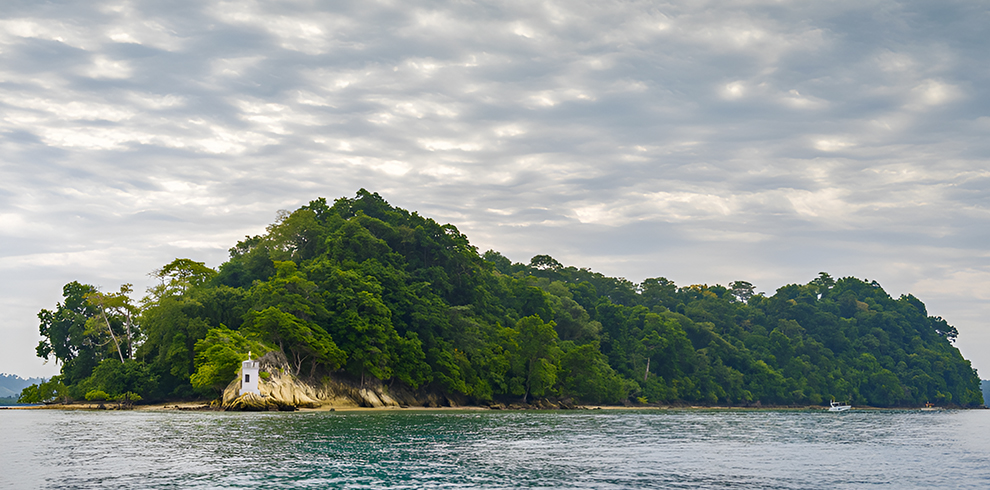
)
(651, 343)
(657, 292)
(302, 341)
(943, 328)
(359, 320)
(572, 321)
(500, 262)
(410, 361)
(742, 290)
(536, 357)
(219, 357)
(286, 313)
(115, 308)
(545, 262)
(45, 392)
(823, 283)
(117, 378)
(586, 375)
(172, 325)
(179, 276)
(64, 335)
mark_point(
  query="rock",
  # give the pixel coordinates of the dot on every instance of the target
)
(387, 400)
(370, 399)
(282, 390)
(249, 402)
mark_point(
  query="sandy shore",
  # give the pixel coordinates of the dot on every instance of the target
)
(205, 406)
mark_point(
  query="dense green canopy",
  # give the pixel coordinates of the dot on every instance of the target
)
(365, 290)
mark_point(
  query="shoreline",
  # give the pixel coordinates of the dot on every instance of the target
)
(201, 406)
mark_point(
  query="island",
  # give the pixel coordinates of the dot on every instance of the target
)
(360, 303)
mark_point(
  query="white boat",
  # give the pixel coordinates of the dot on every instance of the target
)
(838, 407)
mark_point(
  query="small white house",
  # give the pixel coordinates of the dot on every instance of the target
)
(249, 377)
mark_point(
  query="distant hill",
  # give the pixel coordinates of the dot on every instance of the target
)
(11, 384)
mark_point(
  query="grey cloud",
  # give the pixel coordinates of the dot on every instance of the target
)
(705, 142)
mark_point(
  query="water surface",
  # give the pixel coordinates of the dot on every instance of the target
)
(444, 449)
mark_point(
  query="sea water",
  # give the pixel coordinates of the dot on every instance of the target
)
(598, 449)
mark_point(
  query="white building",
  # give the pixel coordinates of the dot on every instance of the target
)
(249, 377)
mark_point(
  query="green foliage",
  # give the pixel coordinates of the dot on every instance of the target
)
(127, 398)
(46, 392)
(534, 358)
(97, 395)
(287, 312)
(586, 376)
(115, 377)
(179, 277)
(64, 335)
(114, 318)
(361, 289)
(172, 326)
(219, 357)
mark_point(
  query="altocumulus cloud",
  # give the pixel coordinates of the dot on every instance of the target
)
(702, 141)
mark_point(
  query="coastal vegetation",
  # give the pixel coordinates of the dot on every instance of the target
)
(12, 385)
(360, 290)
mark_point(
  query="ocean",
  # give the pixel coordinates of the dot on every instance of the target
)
(600, 449)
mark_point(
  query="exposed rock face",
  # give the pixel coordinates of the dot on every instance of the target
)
(280, 390)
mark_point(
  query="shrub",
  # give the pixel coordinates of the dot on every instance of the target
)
(97, 395)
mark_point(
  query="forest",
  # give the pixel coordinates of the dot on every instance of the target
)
(360, 290)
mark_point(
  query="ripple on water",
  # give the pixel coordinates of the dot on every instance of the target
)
(419, 449)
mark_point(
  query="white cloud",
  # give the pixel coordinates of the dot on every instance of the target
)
(933, 93)
(734, 90)
(234, 67)
(18, 30)
(309, 33)
(103, 67)
(833, 143)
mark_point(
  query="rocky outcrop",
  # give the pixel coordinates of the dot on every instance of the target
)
(281, 390)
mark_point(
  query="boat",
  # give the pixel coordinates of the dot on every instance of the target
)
(838, 407)
(930, 407)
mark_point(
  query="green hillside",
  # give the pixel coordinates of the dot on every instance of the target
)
(367, 291)
(11, 385)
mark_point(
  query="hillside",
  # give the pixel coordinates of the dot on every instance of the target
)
(362, 291)
(11, 385)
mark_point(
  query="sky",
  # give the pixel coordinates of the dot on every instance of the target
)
(701, 141)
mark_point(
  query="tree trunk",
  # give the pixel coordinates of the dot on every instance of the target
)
(127, 324)
(529, 378)
(299, 362)
(112, 336)
(647, 373)
(130, 341)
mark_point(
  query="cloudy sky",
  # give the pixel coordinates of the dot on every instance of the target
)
(704, 142)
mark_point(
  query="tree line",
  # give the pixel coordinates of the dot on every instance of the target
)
(375, 293)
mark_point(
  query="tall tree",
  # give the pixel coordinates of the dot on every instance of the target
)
(536, 356)
(115, 308)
